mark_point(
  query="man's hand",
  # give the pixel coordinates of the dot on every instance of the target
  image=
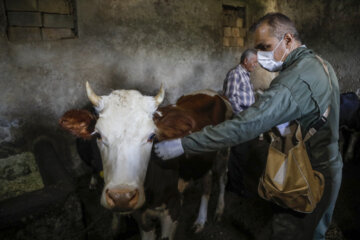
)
(169, 149)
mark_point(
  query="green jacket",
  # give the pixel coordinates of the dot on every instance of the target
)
(302, 91)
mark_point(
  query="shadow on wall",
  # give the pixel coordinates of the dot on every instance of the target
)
(193, 79)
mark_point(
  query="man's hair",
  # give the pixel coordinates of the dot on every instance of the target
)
(246, 54)
(279, 25)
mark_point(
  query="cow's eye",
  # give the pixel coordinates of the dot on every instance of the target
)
(97, 135)
(151, 137)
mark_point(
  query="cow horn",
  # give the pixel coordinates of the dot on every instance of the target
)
(94, 99)
(160, 96)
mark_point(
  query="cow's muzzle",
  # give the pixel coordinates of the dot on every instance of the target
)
(122, 199)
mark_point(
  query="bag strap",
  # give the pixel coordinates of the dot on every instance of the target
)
(321, 122)
(326, 69)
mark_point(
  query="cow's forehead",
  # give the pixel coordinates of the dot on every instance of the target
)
(128, 101)
(126, 110)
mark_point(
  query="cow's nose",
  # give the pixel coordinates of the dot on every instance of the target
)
(122, 199)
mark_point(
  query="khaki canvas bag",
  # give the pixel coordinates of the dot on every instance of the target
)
(288, 179)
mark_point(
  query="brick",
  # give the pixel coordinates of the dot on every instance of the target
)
(57, 33)
(235, 32)
(239, 42)
(229, 41)
(58, 21)
(226, 42)
(227, 31)
(24, 34)
(21, 5)
(242, 32)
(54, 6)
(239, 22)
(234, 42)
(24, 19)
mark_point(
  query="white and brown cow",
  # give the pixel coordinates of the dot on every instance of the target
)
(136, 181)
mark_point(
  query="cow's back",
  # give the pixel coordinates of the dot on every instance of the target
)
(190, 114)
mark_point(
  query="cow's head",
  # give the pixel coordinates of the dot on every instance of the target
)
(123, 128)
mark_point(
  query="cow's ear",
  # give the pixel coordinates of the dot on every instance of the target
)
(80, 123)
(174, 124)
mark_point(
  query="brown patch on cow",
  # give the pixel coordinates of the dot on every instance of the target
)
(190, 114)
(80, 123)
(182, 185)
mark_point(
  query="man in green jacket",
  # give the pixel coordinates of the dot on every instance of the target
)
(302, 91)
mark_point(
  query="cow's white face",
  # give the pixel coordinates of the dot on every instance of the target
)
(124, 126)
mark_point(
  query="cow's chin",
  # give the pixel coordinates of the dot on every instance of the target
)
(124, 211)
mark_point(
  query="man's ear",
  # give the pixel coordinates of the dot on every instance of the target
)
(289, 39)
(80, 123)
(246, 61)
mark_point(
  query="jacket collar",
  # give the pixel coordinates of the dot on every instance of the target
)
(297, 53)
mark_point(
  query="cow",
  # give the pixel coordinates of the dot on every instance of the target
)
(349, 126)
(136, 182)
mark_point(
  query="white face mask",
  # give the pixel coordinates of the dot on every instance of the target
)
(267, 61)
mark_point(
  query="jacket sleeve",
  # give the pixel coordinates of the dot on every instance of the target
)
(274, 107)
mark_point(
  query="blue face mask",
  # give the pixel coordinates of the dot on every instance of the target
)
(267, 61)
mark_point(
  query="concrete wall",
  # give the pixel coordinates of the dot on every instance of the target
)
(138, 44)
(135, 44)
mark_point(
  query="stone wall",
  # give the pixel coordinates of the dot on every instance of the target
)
(35, 20)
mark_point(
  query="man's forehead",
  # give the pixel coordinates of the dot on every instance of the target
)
(263, 36)
(252, 57)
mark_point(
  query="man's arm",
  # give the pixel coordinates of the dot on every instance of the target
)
(275, 106)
